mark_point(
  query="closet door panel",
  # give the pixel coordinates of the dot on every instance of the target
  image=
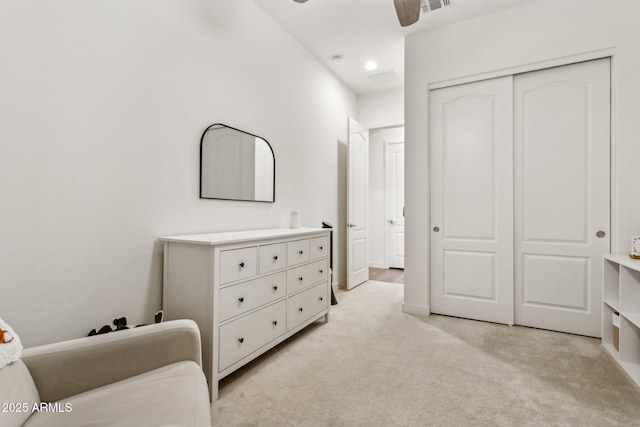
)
(562, 207)
(555, 161)
(472, 200)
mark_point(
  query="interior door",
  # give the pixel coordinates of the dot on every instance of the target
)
(357, 204)
(394, 191)
(472, 200)
(562, 211)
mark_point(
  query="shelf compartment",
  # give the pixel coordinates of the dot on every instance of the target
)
(629, 342)
(629, 290)
(614, 305)
(633, 318)
(611, 283)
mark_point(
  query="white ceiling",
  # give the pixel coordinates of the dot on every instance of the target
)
(363, 30)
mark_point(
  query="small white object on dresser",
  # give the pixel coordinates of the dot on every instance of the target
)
(621, 312)
(247, 290)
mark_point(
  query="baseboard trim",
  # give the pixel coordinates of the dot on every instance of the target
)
(418, 310)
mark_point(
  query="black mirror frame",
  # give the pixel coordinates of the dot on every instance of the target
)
(247, 133)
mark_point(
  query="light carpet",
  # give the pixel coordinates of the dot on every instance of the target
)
(373, 365)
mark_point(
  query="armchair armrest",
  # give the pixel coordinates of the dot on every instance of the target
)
(70, 367)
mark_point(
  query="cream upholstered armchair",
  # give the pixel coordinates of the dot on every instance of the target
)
(147, 376)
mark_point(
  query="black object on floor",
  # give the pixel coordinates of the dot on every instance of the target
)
(334, 301)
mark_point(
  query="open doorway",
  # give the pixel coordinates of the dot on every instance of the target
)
(386, 204)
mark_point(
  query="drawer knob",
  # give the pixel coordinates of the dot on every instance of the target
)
(275, 323)
(300, 278)
(242, 265)
(240, 340)
(321, 271)
(321, 247)
(301, 252)
(275, 287)
(275, 258)
(300, 309)
(321, 298)
(241, 299)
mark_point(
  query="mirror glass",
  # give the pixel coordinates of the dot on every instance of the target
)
(235, 165)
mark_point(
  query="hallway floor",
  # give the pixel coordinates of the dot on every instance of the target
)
(389, 275)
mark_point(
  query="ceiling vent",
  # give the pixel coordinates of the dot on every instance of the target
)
(387, 75)
(431, 5)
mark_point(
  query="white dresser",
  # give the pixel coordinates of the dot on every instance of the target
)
(247, 290)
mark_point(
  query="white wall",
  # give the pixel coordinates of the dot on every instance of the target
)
(102, 107)
(381, 108)
(534, 33)
(377, 207)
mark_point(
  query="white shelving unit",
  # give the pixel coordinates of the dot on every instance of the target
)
(621, 295)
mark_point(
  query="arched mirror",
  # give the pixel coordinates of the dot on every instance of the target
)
(236, 165)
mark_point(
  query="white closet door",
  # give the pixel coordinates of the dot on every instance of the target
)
(561, 119)
(472, 200)
(394, 192)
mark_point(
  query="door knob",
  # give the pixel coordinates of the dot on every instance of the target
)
(391, 221)
(351, 225)
(436, 229)
(600, 234)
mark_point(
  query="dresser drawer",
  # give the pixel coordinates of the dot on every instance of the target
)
(318, 247)
(242, 337)
(240, 298)
(298, 252)
(305, 305)
(238, 264)
(306, 275)
(272, 257)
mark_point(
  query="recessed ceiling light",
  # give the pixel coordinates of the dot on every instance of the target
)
(370, 65)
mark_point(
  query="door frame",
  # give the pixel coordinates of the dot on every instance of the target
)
(610, 53)
(387, 143)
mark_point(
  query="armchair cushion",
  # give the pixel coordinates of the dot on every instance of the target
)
(176, 394)
(18, 393)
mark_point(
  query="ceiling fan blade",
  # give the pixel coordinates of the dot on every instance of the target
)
(408, 11)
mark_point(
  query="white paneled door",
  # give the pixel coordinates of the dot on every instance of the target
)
(394, 194)
(561, 140)
(472, 200)
(520, 198)
(357, 205)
